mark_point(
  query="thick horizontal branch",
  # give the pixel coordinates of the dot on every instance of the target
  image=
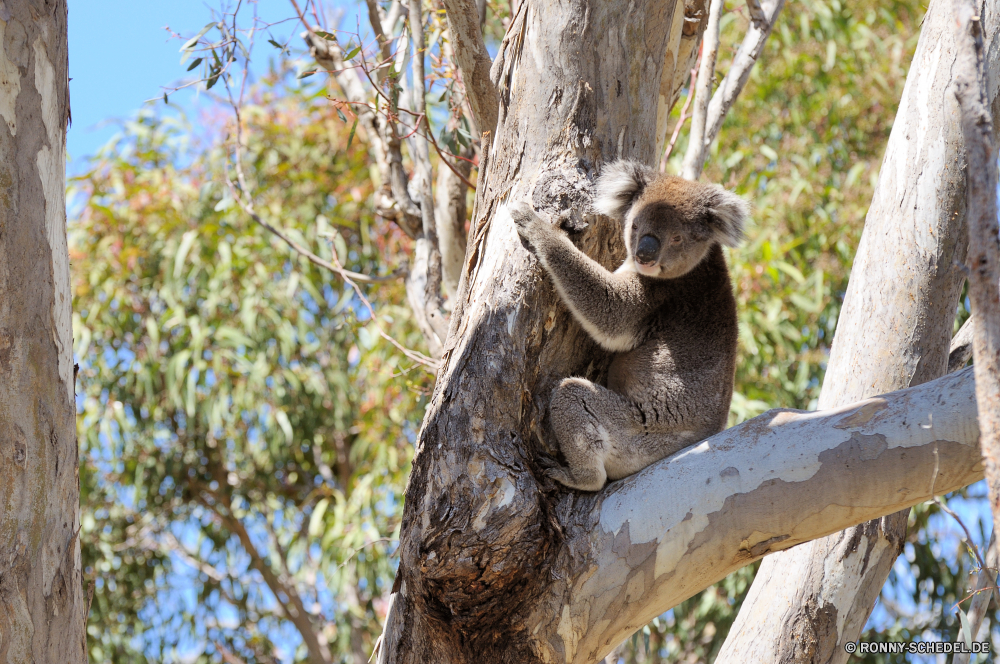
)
(654, 539)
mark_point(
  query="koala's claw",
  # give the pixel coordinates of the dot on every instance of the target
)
(546, 461)
(526, 219)
(560, 474)
(522, 213)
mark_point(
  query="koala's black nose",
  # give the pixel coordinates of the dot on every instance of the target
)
(648, 249)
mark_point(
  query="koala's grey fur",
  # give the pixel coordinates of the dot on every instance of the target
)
(670, 317)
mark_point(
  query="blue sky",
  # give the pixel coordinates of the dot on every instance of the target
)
(120, 54)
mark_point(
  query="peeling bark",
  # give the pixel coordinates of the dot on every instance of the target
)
(686, 30)
(893, 332)
(42, 615)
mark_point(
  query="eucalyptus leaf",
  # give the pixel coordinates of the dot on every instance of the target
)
(354, 128)
(191, 43)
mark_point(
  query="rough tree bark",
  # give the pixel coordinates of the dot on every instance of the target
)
(42, 615)
(893, 332)
(650, 541)
(479, 529)
(497, 563)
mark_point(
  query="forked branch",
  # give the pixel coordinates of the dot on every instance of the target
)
(705, 129)
(739, 73)
(694, 158)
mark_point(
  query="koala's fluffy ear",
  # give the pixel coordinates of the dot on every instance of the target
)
(727, 213)
(619, 185)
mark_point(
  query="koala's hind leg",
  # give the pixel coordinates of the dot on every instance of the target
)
(603, 436)
(595, 428)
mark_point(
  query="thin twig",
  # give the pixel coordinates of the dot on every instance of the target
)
(355, 552)
(985, 581)
(247, 207)
(680, 123)
(448, 163)
(694, 158)
(968, 535)
(349, 277)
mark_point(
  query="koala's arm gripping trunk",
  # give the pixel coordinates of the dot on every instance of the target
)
(610, 306)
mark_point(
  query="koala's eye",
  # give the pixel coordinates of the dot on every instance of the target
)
(677, 239)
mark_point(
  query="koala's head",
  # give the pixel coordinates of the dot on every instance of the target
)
(669, 223)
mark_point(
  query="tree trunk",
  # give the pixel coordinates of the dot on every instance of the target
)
(625, 554)
(984, 244)
(42, 615)
(893, 332)
(479, 530)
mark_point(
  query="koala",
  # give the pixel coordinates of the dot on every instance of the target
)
(668, 314)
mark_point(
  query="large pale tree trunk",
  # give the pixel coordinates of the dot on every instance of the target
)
(578, 85)
(894, 331)
(498, 564)
(41, 598)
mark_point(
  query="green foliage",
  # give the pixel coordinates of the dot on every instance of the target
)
(241, 419)
(804, 144)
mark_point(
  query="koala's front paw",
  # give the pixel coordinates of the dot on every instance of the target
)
(565, 477)
(587, 481)
(530, 226)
